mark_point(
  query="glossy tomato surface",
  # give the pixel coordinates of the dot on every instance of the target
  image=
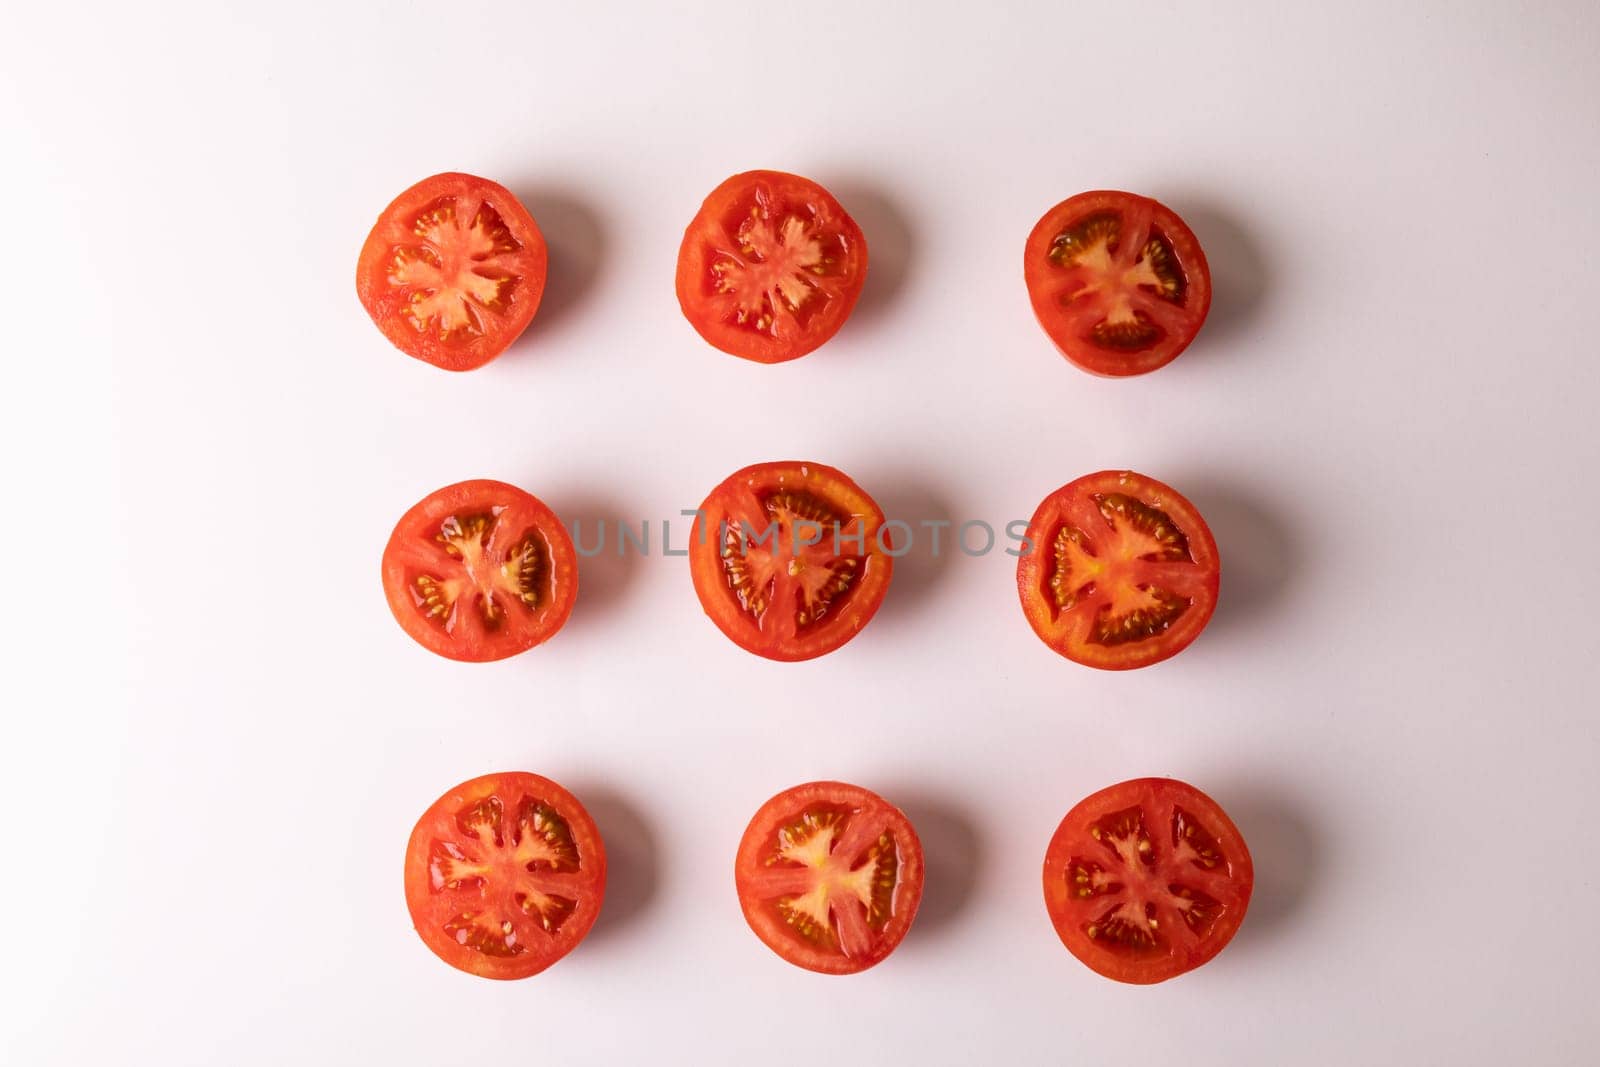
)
(1120, 571)
(1147, 879)
(829, 876)
(480, 570)
(453, 270)
(505, 875)
(790, 559)
(770, 267)
(1118, 281)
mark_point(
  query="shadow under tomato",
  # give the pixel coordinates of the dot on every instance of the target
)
(952, 852)
(1258, 549)
(577, 240)
(1285, 851)
(1240, 273)
(891, 244)
(918, 570)
(606, 565)
(631, 858)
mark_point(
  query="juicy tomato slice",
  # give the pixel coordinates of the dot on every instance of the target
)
(1146, 880)
(829, 876)
(790, 559)
(453, 271)
(505, 875)
(479, 571)
(1118, 281)
(770, 267)
(1120, 571)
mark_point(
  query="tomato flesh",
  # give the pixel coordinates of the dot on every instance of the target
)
(453, 271)
(504, 875)
(480, 570)
(829, 876)
(1147, 879)
(1120, 571)
(790, 559)
(1118, 282)
(770, 267)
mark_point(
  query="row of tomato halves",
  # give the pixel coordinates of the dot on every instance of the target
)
(1144, 880)
(792, 559)
(505, 873)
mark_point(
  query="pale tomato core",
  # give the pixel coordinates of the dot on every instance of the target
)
(458, 271)
(775, 267)
(478, 579)
(509, 869)
(831, 874)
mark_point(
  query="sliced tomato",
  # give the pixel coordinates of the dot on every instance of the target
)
(1146, 880)
(790, 559)
(1120, 571)
(480, 570)
(770, 267)
(1118, 281)
(505, 875)
(453, 271)
(829, 876)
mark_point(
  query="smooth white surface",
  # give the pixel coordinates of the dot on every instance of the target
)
(217, 739)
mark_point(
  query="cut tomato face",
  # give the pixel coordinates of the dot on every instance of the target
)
(453, 271)
(505, 875)
(790, 559)
(480, 571)
(1118, 282)
(770, 267)
(1146, 880)
(829, 876)
(1120, 571)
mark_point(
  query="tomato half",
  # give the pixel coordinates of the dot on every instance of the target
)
(1120, 571)
(1118, 281)
(829, 876)
(479, 571)
(790, 559)
(770, 267)
(1146, 880)
(505, 875)
(453, 271)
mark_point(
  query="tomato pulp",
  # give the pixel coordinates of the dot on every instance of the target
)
(480, 570)
(1120, 571)
(453, 271)
(790, 559)
(1118, 282)
(1147, 879)
(829, 876)
(504, 875)
(770, 267)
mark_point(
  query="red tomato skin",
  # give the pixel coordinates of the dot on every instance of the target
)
(693, 262)
(1067, 839)
(384, 302)
(1100, 362)
(466, 496)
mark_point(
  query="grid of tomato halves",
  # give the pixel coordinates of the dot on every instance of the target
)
(506, 873)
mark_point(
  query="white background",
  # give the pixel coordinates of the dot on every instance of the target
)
(216, 738)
